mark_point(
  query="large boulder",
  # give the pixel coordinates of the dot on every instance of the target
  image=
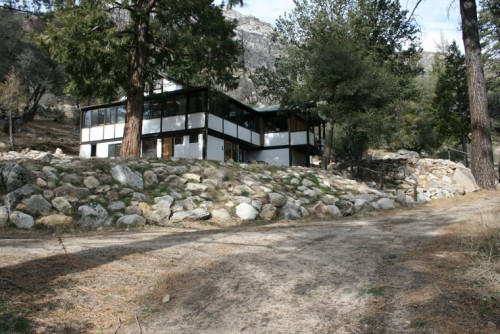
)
(127, 177)
(134, 220)
(246, 211)
(191, 215)
(36, 206)
(56, 220)
(72, 193)
(464, 178)
(62, 204)
(22, 220)
(277, 200)
(4, 216)
(15, 176)
(92, 215)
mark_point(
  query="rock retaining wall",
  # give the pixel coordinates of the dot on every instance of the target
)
(45, 189)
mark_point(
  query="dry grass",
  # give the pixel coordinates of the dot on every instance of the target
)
(483, 238)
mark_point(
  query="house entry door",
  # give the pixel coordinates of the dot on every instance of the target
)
(168, 148)
(230, 151)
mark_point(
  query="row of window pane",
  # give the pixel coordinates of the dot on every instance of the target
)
(103, 116)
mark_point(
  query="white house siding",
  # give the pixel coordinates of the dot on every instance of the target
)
(215, 123)
(85, 135)
(96, 133)
(189, 150)
(230, 129)
(256, 138)
(109, 131)
(196, 121)
(275, 139)
(119, 130)
(299, 138)
(85, 150)
(215, 149)
(151, 126)
(102, 149)
(173, 123)
(244, 134)
(311, 138)
(273, 157)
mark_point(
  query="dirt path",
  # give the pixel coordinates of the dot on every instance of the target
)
(383, 274)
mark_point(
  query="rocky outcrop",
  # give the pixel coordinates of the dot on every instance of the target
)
(60, 191)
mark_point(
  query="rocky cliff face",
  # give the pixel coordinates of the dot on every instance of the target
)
(259, 51)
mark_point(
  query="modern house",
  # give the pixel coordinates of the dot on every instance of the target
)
(199, 123)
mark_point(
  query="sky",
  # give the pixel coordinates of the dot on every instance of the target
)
(436, 18)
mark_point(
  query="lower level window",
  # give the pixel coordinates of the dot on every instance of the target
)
(114, 150)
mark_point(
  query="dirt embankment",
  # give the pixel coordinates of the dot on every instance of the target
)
(396, 272)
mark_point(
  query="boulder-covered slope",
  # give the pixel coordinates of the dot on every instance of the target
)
(44, 189)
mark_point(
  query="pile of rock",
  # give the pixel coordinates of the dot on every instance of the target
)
(44, 189)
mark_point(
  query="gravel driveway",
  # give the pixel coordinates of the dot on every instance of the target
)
(341, 276)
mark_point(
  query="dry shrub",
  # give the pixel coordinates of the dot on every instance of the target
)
(483, 239)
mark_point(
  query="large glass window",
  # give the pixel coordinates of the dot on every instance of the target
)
(114, 150)
(218, 104)
(276, 124)
(98, 117)
(233, 114)
(249, 120)
(181, 102)
(170, 107)
(197, 102)
(86, 118)
(147, 110)
(110, 116)
(156, 109)
(149, 148)
(121, 112)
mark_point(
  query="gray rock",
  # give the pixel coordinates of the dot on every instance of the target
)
(277, 200)
(91, 182)
(150, 178)
(401, 197)
(311, 193)
(174, 181)
(385, 204)
(127, 177)
(12, 199)
(72, 193)
(243, 190)
(291, 211)
(196, 187)
(4, 216)
(116, 205)
(307, 183)
(22, 220)
(268, 212)
(36, 206)
(135, 220)
(138, 197)
(246, 211)
(334, 211)
(62, 204)
(463, 177)
(359, 204)
(133, 210)
(257, 204)
(192, 177)
(346, 207)
(158, 217)
(39, 182)
(191, 215)
(320, 209)
(92, 215)
(15, 176)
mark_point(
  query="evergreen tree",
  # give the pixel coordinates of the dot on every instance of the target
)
(123, 46)
(451, 101)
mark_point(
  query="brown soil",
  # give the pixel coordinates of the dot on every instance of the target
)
(45, 135)
(393, 272)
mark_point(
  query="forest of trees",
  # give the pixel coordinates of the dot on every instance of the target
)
(356, 63)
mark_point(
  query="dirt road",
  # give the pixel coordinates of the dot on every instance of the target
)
(382, 274)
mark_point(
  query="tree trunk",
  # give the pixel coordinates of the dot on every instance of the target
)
(131, 145)
(463, 141)
(32, 106)
(11, 131)
(481, 147)
(327, 151)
